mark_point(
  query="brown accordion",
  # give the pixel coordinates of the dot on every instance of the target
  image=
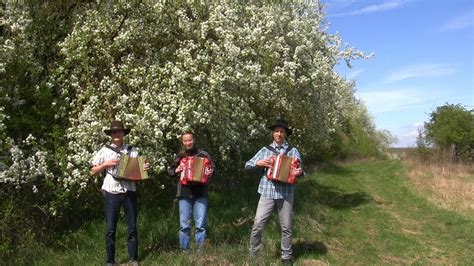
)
(131, 168)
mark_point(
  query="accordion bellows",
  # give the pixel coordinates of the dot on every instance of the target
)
(131, 168)
(195, 170)
(282, 169)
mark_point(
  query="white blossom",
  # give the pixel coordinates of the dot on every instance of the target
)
(225, 75)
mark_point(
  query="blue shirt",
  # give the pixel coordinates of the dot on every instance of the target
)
(267, 188)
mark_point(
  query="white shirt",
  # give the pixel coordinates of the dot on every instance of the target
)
(111, 184)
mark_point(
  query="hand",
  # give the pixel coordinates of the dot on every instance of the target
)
(264, 163)
(147, 166)
(298, 171)
(179, 169)
(110, 163)
(208, 171)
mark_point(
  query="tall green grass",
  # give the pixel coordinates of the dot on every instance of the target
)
(358, 213)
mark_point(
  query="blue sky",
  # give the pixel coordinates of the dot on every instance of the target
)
(424, 57)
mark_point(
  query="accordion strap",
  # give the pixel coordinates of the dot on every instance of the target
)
(129, 149)
(288, 149)
(272, 149)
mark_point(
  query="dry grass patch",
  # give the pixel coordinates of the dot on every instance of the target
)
(394, 260)
(447, 184)
(310, 262)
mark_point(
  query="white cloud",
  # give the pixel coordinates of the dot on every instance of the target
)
(462, 21)
(355, 73)
(408, 134)
(420, 70)
(412, 130)
(339, 3)
(389, 5)
(390, 101)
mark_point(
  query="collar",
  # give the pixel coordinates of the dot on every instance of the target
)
(191, 152)
(284, 145)
(124, 146)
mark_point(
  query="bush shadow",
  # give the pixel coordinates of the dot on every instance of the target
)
(333, 197)
(231, 209)
(301, 247)
(232, 205)
(331, 168)
(310, 190)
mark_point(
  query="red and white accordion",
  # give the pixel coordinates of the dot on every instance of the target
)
(283, 169)
(195, 170)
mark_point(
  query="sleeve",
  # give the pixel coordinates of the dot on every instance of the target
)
(173, 166)
(296, 154)
(252, 163)
(98, 158)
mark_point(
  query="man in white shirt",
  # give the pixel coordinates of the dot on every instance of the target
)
(117, 193)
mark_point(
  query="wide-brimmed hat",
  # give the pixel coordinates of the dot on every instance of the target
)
(281, 123)
(117, 125)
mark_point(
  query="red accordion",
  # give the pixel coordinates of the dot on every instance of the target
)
(195, 170)
(283, 169)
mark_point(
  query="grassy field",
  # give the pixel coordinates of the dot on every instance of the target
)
(447, 184)
(345, 214)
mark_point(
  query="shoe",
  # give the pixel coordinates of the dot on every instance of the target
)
(287, 262)
(253, 254)
(133, 263)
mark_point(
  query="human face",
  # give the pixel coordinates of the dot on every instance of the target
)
(188, 141)
(117, 137)
(279, 135)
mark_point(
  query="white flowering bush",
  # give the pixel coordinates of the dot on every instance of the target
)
(224, 70)
(31, 198)
(24, 160)
(24, 167)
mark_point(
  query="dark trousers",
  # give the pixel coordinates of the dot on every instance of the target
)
(113, 203)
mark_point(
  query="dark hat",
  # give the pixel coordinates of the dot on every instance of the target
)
(281, 123)
(117, 125)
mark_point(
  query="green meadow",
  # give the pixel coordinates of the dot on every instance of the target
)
(359, 213)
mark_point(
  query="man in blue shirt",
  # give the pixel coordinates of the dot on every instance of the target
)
(274, 194)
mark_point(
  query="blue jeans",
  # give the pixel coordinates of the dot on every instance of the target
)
(186, 207)
(113, 202)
